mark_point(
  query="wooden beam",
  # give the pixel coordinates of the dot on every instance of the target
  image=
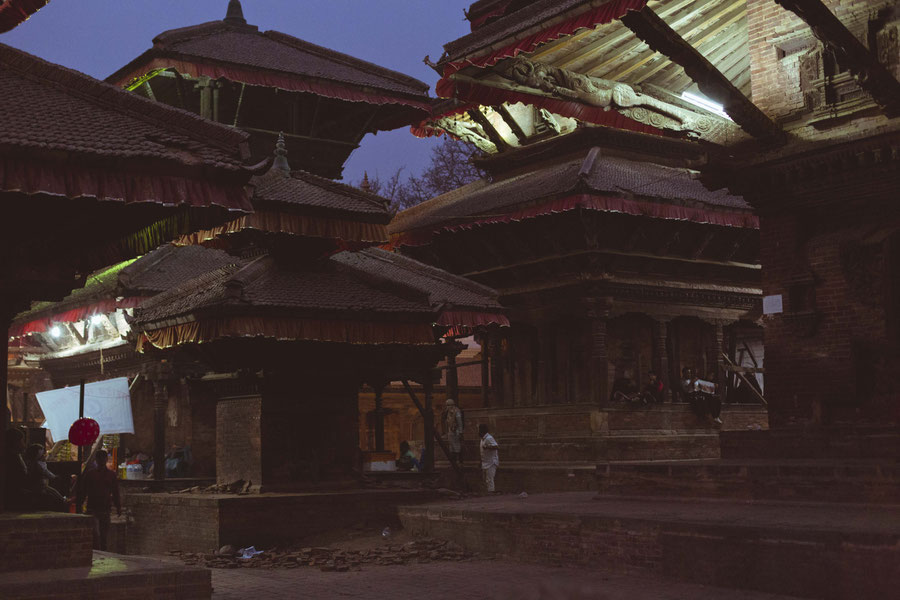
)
(489, 129)
(863, 63)
(649, 27)
(701, 247)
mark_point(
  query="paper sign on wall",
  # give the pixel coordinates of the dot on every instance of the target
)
(773, 305)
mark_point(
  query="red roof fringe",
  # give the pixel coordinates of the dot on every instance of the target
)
(654, 210)
(72, 181)
(14, 12)
(73, 315)
(496, 12)
(604, 13)
(269, 79)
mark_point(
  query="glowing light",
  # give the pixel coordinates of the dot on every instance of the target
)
(96, 319)
(705, 103)
(55, 331)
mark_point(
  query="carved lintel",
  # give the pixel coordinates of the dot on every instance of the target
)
(871, 75)
(650, 28)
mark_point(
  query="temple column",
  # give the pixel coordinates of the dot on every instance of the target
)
(453, 349)
(661, 356)
(485, 372)
(5, 319)
(428, 415)
(379, 417)
(598, 317)
(718, 346)
(159, 375)
(206, 85)
(496, 368)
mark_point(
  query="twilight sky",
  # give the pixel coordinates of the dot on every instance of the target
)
(99, 36)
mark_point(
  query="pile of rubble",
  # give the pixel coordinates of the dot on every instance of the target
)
(235, 487)
(330, 559)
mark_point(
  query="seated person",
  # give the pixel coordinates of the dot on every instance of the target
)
(654, 391)
(407, 460)
(623, 385)
(38, 478)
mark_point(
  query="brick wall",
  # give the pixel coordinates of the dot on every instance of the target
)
(238, 440)
(46, 541)
(777, 39)
(812, 351)
(204, 523)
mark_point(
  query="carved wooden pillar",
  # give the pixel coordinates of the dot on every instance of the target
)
(661, 356)
(598, 316)
(496, 368)
(379, 417)
(453, 349)
(5, 320)
(718, 347)
(159, 375)
(428, 415)
(206, 85)
(485, 372)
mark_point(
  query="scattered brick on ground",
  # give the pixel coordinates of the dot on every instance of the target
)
(331, 558)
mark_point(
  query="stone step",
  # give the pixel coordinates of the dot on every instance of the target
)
(52, 540)
(819, 480)
(831, 442)
(110, 576)
(623, 446)
(812, 550)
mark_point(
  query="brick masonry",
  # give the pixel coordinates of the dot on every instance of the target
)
(203, 523)
(44, 541)
(805, 560)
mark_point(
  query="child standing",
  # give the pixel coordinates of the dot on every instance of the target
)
(490, 458)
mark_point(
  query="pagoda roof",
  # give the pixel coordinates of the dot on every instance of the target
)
(131, 280)
(445, 291)
(49, 108)
(302, 190)
(593, 182)
(352, 297)
(240, 52)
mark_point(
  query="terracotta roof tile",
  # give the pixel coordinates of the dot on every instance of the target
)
(170, 266)
(266, 285)
(308, 190)
(244, 45)
(445, 290)
(47, 107)
(610, 175)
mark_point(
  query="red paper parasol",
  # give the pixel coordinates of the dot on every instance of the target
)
(84, 432)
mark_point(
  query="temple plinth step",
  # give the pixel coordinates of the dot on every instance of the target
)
(51, 540)
(813, 550)
(110, 576)
(819, 480)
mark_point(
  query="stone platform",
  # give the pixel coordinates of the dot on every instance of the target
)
(814, 550)
(110, 576)
(590, 434)
(860, 481)
(206, 522)
(49, 556)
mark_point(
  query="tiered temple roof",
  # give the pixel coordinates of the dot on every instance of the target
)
(78, 156)
(231, 72)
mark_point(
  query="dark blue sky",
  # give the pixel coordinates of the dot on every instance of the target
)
(99, 36)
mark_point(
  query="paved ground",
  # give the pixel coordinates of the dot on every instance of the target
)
(479, 579)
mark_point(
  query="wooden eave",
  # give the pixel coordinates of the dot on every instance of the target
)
(715, 28)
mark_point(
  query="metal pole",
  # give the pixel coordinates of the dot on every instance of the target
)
(81, 416)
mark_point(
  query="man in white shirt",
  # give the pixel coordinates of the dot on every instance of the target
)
(490, 457)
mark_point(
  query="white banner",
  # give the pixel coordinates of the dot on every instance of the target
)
(107, 402)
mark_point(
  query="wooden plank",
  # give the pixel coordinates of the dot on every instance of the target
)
(744, 379)
(648, 26)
